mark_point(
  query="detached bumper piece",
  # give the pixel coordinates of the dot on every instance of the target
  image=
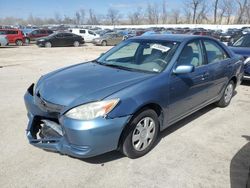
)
(48, 134)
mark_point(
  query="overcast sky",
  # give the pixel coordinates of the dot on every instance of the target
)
(48, 8)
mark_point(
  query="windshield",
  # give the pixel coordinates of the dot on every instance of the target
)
(140, 55)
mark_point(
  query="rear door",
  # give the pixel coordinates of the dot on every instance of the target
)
(219, 63)
(69, 39)
(12, 35)
(189, 92)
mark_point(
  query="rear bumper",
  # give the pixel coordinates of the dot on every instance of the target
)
(81, 139)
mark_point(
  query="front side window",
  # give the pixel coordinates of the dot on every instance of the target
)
(43, 32)
(191, 55)
(214, 52)
(147, 56)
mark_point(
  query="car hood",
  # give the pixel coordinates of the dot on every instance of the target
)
(241, 51)
(85, 83)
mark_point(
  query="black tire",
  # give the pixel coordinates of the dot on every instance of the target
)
(224, 101)
(47, 45)
(27, 40)
(19, 42)
(104, 43)
(128, 146)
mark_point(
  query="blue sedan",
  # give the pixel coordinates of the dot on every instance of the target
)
(242, 47)
(123, 99)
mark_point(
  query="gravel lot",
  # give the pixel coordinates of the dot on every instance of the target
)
(208, 149)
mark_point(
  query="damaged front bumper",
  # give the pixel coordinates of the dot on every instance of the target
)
(53, 131)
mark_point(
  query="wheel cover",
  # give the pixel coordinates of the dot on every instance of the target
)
(228, 93)
(48, 44)
(143, 134)
(76, 43)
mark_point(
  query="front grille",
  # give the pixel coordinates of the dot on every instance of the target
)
(47, 106)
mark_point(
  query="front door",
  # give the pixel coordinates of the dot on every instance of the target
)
(189, 91)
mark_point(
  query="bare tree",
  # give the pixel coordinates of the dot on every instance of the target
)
(215, 10)
(175, 16)
(78, 17)
(194, 5)
(152, 13)
(135, 17)
(187, 15)
(58, 18)
(93, 19)
(164, 12)
(202, 13)
(242, 5)
(113, 16)
(228, 10)
(82, 15)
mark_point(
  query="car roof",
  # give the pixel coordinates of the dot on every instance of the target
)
(10, 29)
(171, 37)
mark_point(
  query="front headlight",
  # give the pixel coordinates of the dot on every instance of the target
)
(34, 87)
(247, 61)
(92, 110)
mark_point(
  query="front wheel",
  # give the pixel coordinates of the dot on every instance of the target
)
(19, 42)
(104, 43)
(141, 134)
(227, 95)
(27, 40)
(48, 45)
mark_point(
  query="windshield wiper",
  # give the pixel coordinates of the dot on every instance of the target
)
(119, 67)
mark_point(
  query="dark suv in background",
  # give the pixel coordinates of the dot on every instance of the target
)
(38, 33)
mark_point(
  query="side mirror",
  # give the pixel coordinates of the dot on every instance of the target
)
(183, 69)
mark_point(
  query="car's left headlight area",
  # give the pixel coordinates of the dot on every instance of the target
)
(92, 110)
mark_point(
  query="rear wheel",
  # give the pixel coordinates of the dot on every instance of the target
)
(104, 43)
(19, 42)
(227, 95)
(141, 134)
(48, 45)
(76, 44)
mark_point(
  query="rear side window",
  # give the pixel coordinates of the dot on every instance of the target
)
(12, 32)
(67, 35)
(82, 31)
(50, 32)
(214, 52)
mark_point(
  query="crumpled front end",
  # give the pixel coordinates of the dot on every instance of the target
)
(49, 129)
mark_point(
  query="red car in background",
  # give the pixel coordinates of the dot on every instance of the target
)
(14, 36)
(38, 33)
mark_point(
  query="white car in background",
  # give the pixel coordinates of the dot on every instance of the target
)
(4, 40)
(87, 34)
